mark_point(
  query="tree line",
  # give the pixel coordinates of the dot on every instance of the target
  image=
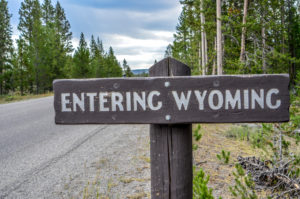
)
(44, 52)
(238, 36)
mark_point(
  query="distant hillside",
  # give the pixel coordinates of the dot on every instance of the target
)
(140, 71)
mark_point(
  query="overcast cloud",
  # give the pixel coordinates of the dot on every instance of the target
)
(138, 30)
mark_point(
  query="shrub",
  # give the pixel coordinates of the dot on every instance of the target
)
(200, 189)
(244, 185)
(224, 156)
(197, 134)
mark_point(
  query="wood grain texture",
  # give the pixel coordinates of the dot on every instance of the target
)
(171, 161)
(171, 148)
(169, 107)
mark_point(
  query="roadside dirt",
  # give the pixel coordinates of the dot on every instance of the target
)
(123, 171)
(213, 141)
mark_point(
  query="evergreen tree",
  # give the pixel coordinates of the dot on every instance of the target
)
(26, 20)
(48, 13)
(112, 67)
(257, 36)
(94, 48)
(5, 44)
(51, 45)
(126, 69)
(63, 26)
(81, 60)
(37, 50)
(20, 74)
(97, 57)
(219, 39)
(168, 52)
(30, 27)
(293, 35)
(62, 43)
(100, 46)
(180, 44)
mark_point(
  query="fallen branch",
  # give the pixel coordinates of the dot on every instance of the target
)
(274, 177)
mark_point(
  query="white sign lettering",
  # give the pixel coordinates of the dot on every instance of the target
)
(247, 99)
(64, 102)
(183, 100)
(219, 100)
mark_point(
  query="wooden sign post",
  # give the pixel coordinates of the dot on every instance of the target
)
(171, 152)
(171, 103)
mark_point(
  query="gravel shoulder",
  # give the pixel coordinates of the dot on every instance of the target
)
(112, 162)
(39, 159)
(118, 166)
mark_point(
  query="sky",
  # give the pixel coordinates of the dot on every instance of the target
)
(138, 30)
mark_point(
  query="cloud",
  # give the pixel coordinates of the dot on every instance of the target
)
(140, 5)
(138, 36)
(140, 53)
(158, 39)
(138, 30)
(98, 20)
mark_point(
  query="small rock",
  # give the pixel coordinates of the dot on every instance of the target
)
(297, 131)
(249, 125)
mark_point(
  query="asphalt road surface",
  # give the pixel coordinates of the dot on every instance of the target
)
(36, 156)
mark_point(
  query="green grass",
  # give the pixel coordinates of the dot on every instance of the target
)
(17, 97)
(224, 156)
(257, 137)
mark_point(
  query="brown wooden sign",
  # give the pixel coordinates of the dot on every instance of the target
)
(170, 100)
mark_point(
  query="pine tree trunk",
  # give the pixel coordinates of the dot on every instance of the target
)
(21, 78)
(200, 56)
(184, 46)
(263, 35)
(219, 39)
(205, 55)
(214, 60)
(202, 53)
(243, 37)
(292, 68)
(37, 81)
(282, 13)
(203, 40)
(1, 81)
(223, 49)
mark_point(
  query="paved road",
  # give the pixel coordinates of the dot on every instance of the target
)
(36, 154)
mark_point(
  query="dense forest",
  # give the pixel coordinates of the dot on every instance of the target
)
(238, 36)
(217, 37)
(44, 52)
(212, 37)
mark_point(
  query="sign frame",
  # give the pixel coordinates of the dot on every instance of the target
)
(160, 100)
